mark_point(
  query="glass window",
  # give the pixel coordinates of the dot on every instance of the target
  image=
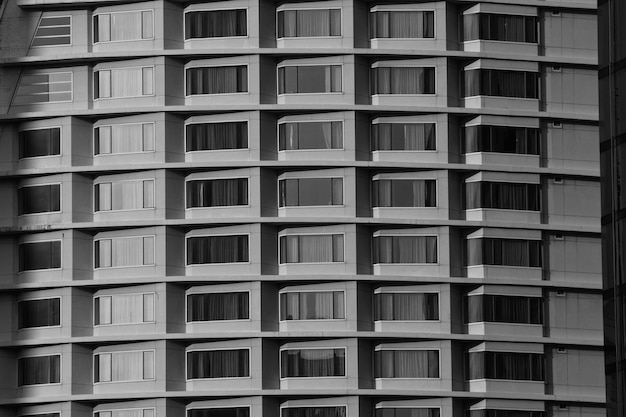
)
(307, 79)
(44, 88)
(124, 309)
(53, 31)
(218, 306)
(406, 364)
(124, 82)
(39, 313)
(319, 411)
(310, 135)
(39, 199)
(39, 370)
(311, 248)
(40, 142)
(406, 306)
(124, 366)
(310, 305)
(503, 139)
(219, 412)
(501, 83)
(234, 363)
(124, 138)
(309, 23)
(500, 27)
(504, 309)
(508, 252)
(503, 195)
(123, 26)
(407, 412)
(506, 365)
(216, 136)
(403, 24)
(124, 195)
(505, 413)
(40, 255)
(124, 251)
(310, 192)
(217, 80)
(312, 363)
(134, 412)
(403, 137)
(217, 193)
(404, 193)
(403, 80)
(41, 415)
(405, 249)
(216, 24)
(217, 249)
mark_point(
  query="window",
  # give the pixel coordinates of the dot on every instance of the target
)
(124, 195)
(501, 83)
(135, 365)
(39, 370)
(503, 139)
(217, 249)
(311, 249)
(405, 249)
(506, 365)
(320, 411)
(406, 364)
(217, 193)
(40, 142)
(309, 305)
(403, 80)
(308, 79)
(218, 306)
(216, 24)
(41, 415)
(217, 80)
(123, 26)
(124, 82)
(310, 192)
(312, 363)
(37, 199)
(403, 137)
(133, 412)
(499, 27)
(504, 309)
(402, 24)
(309, 23)
(39, 255)
(44, 312)
(407, 412)
(310, 135)
(406, 306)
(124, 138)
(507, 252)
(219, 412)
(204, 364)
(502, 195)
(124, 309)
(53, 31)
(216, 136)
(404, 193)
(35, 88)
(505, 413)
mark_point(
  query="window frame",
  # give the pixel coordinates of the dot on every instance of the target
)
(343, 192)
(331, 234)
(503, 183)
(345, 363)
(59, 297)
(464, 87)
(97, 413)
(95, 313)
(537, 33)
(36, 73)
(381, 349)
(71, 43)
(387, 291)
(433, 122)
(143, 180)
(216, 349)
(96, 155)
(218, 9)
(246, 121)
(96, 76)
(212, 407)
(245, 64)
(544, 365)
(248, 262)
(289, 7)
(249, 189)
(60, 154)
(403, 178)
(382, 8)
(298, 121)
(345, 309)
(341, 64)
(408, 406)
(45, 413)
(17, 365)
(60, 184)
(93, 370)
(225, 291)
(378, 234)
(505, 323)
(486, 265)
(377, 66)
(93, 25)
(44, 269)
(344, 405)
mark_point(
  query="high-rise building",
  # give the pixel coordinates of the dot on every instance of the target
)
(337, 208)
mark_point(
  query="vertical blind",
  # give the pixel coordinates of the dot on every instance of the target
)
(318, 411)
(40, 142)
(500, 27)
(504, 309)
(407, 412)
(311, 248)
(39, 255)
(309, 79)
(38, 313)
(38, 370)
(309, 23)
(123, 26)
(124, 366)
(508, 252)
(405, 249)
(406, 306)
(124, 82)
(217, 249)
(233, 363)
(124, 309)
(124, 195)
(39, 199)
(402, 24)
(216, 136)
(310, 135)
(406, 364)
(404, 193)
(217, 193)
(44, 88)
(310, 305)
(219, 412)
(503, 139)
(403, 80)
(216, 24)
(218, 306)
(310, 192)
(124, 138)
(53, 31)
(312, 363)
(506, 365)
(503, 195)
(124, 251)
(217, 80)
(403, 137)
(501, 83)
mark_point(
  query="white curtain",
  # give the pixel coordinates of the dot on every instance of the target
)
(129, 366)
(127, 82)
(126, 26)
(126, 138)
(104, 28)
(104, 310)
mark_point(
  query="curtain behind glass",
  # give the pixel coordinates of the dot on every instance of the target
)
(216, 136)
(218, 306)
(217, 80)
(217, 249)
(39, 255)
(406, 363)
(218, 364)
(312, 363)
(319, 411)
(215, 24)
(40, 142)
(219, 412)
(407, 306)
(217, 193)
(405, 249)
(39, 313)
(39, 370)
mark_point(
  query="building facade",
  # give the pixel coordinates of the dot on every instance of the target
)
(334, 208)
